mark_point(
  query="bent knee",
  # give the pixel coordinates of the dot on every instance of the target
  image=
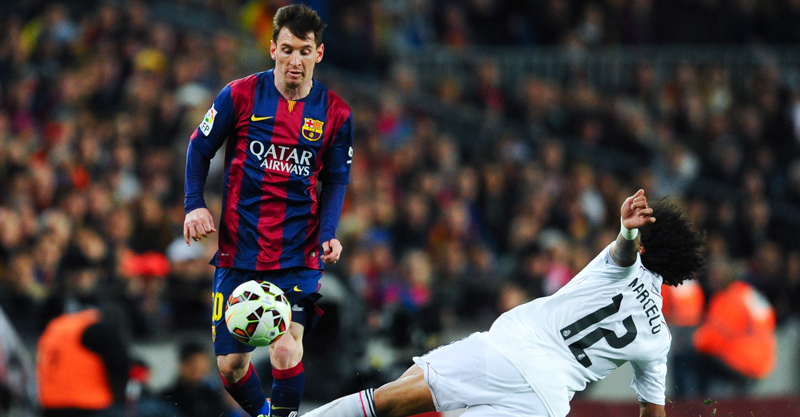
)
(286, 355)
(234, 366)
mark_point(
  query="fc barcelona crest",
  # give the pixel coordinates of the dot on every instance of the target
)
(312, 129)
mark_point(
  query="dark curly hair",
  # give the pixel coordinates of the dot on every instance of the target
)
(672, 247)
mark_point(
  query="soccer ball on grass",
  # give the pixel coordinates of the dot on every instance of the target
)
(258, 313)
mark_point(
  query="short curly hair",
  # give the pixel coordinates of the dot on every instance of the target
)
(672, 246)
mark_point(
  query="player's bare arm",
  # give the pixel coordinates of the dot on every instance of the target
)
(651, 410)
(199, 223)
(634, 214)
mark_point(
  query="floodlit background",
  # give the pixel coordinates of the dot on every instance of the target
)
(494, 142)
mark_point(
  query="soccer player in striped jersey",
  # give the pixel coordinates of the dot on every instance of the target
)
(537, 355)
(285, 131)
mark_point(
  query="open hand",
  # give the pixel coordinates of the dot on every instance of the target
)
(635, 212)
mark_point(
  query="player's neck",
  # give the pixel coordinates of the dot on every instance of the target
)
(295, 94)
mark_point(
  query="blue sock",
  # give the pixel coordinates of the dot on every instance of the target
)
(287, 390)
(248, 393)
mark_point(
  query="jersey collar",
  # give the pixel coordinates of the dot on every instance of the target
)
(315, 87)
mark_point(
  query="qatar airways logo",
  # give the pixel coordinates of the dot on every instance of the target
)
(282, 158)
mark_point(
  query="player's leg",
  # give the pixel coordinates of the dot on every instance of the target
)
(406, 396)
(466, 373)
(286, 356)
(300, 286)
(233, 367)
(242, 383)
(233, 357)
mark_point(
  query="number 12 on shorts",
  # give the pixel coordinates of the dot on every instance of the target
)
(578, 347)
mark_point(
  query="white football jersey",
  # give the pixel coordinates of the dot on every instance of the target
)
(605, 316)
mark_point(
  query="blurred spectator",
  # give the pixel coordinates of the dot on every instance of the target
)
(413, 223)
(417, 25)
(735, 343)
(21, 295)
(82, 366)
(415, 311)
(186, 293)
(488, 93)
(195, 393)
(510, 296)
(683, 308)
(139, 399)
(530, 272)
(766, 273)
(355, 46)
(683, 305)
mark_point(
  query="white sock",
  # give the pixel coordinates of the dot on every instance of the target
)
(360, 404)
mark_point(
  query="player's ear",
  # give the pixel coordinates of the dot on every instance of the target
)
(320, 52)
(272, 49)
(641, 249)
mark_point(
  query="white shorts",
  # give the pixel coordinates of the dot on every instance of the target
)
(470, 373)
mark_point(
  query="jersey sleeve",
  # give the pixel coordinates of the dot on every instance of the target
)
(650, 379)
(216, 125)
(330, 205)
(338, 158)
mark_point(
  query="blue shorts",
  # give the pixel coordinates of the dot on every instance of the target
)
(299, 284)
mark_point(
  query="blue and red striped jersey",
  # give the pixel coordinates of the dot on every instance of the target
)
(277, 149)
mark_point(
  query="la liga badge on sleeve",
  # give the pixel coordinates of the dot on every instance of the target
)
(208, 121)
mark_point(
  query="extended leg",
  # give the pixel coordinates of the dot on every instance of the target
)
(406, 396)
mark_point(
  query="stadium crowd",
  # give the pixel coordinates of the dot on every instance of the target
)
(96, 109)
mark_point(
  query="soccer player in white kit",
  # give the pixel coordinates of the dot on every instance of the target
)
(536, 356)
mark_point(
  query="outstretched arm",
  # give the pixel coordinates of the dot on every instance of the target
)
(634, 214)
(651, 410)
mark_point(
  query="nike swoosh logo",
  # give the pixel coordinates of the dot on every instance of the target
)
(254, 118)
(297, 289)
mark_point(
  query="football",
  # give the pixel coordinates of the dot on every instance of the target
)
(258, 313)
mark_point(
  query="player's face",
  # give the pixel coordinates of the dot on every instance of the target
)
(295, 58)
